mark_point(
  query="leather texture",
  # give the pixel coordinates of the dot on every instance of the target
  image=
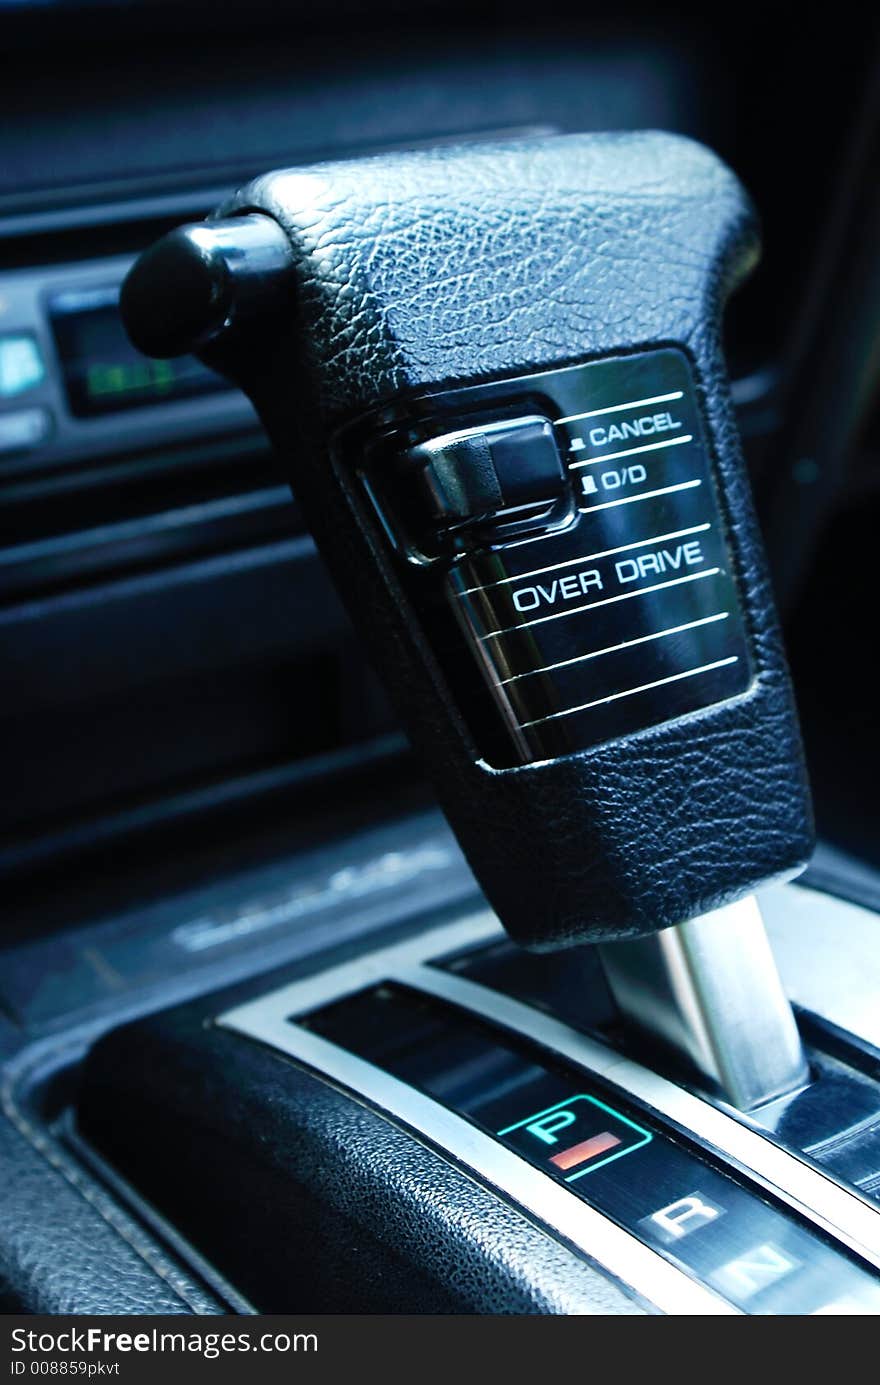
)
(458, 266)
(66, 1244)
(306, 1199)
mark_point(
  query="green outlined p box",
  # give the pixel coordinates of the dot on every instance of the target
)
(575, 1137)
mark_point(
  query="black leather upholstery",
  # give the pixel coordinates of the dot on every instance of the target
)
(457, 266)
(66, 1244)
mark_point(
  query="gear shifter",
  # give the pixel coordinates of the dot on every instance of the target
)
(494, 374)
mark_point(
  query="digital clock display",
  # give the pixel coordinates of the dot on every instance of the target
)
(103, 372)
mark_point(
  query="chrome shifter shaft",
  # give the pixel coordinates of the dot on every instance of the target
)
(709, 989)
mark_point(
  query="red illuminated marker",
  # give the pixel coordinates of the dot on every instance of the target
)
(587, 1149)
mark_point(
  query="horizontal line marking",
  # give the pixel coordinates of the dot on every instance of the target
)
(646, 495)
(587, 558)
(606, 601)
(632, 451)
(619, 408)
(615, 648)
(587, 1149)
(630, 692)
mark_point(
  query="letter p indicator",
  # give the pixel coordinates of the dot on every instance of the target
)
(575, 1137)
(545, 1127)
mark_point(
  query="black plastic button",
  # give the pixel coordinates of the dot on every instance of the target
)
(198, 281)
(475, 474)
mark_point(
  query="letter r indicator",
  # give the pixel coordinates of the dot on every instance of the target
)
(681, 1218)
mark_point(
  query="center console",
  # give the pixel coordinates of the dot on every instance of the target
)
(440, 1122)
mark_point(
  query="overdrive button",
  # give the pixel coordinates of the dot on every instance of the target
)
(495, 479)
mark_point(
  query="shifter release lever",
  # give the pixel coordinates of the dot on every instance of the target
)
(495, 375)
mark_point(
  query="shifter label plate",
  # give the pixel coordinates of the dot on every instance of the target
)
(420, 1031)
(630, 616)
(676, 1201)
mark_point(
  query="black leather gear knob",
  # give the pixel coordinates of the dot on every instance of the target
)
(498, 387)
